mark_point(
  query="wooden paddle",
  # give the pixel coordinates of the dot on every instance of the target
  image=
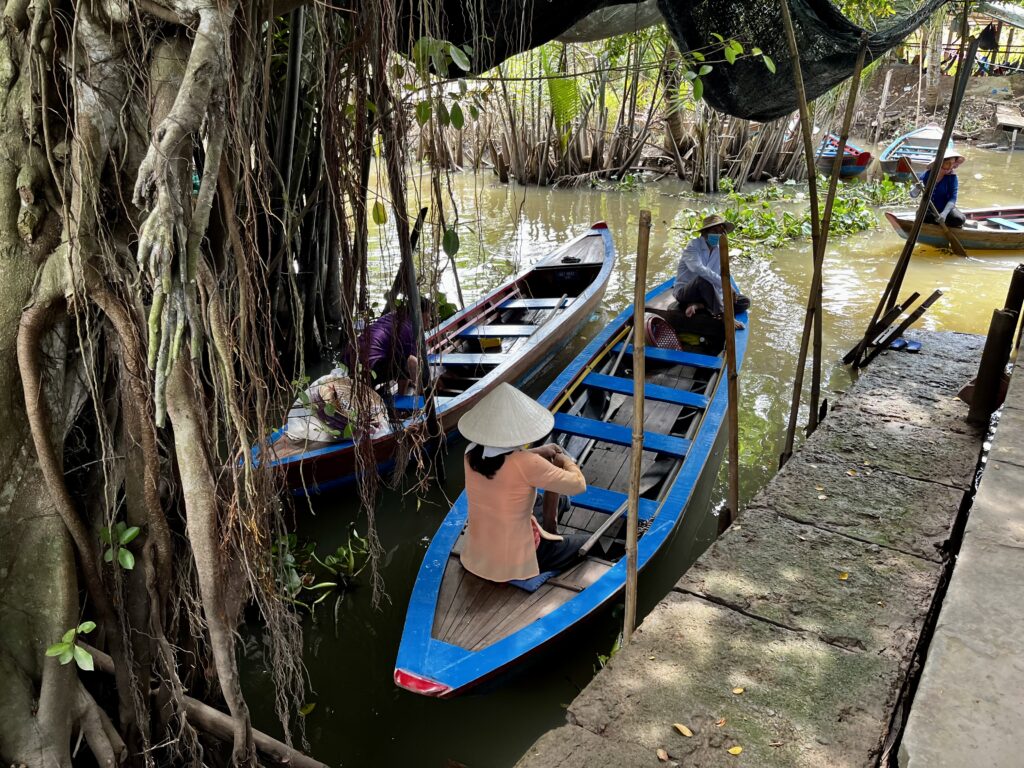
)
(903, 166)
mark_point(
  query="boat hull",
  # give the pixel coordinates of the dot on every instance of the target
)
(446, 670)
(333, 465)
(918, 147)
(981, 238)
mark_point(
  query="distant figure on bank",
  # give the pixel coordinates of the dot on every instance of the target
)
(504, 541)
(387, 349)
(945, 192)
(699, 274)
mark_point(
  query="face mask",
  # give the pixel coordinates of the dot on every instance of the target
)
(713, 239)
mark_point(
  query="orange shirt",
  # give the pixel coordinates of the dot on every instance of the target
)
(500, 540)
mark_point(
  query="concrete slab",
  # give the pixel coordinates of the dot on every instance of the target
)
(920, 452)
(967, 710)
(871, 505)
(854, 595)
(998, 512)
(1011, 426)
(804, 703)
(914, 402)
(573, 747)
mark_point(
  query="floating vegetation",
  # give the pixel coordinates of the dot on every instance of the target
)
(764, 219)
(308, 580)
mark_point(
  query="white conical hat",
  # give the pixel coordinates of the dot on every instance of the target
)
(506, 418)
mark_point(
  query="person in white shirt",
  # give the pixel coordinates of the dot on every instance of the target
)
(698, 282)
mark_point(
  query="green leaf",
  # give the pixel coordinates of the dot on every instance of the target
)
(460, 58)
(126, 559)
(769, 63)
(697, 55)
(379, 214)
(730, 55)
(698, 89)
(755, 51)
(86, 627)
(423, 112)
(458, 119)
(397, 71)
(128, 535)
(473, 111)
(57, 649)
(348, 432)
(307, 708)
(66, 655)
(83, 659)
(69, 636)
(718, 37)
(736, 45)
(705, 69)
(105, 535)
(108, 556)
(442, 114)
(689, 75)
(450, 241)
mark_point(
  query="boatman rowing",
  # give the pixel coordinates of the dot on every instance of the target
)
(943, 208)
(698, 283)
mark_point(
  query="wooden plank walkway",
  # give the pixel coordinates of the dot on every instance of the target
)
(794, 635)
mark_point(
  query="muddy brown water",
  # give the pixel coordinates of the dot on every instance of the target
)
(360, 718)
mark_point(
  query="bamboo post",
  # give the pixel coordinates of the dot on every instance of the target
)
(640, 290)
(892, 288)
(993, 364)
(885, 98)
(732, 506)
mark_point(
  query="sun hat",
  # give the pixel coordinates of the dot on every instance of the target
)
(506, 418)
(952, 154)
(715, 220)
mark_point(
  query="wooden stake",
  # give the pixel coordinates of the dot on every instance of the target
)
(885, 98)
(732, 506)
(892, 288)
(639, 371)
(993, 364)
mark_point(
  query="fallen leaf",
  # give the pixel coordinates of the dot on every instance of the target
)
(735, 750)
(683, 729)
(851, 472)
(662, 755)
(843, 575)
(822, 497)
(867, 463)
(775, 743)
(737, 690)
(819, 487)
(720, 722)
(651, 658)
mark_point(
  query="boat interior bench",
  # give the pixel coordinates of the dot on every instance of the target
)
(617, 434)
(676, 356)
(506, 331)
(1013, 225)
(466, 358)
(543, 303)
(655, 392)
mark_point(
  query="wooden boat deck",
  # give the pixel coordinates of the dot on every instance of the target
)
(473, 613)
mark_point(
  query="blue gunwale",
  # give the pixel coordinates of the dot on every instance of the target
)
(442, 331)
(422, 655)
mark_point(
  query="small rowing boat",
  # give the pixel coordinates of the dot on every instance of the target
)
(987, 229)
(461, 630)
(917, 148)
(507, 336)
(855, 159)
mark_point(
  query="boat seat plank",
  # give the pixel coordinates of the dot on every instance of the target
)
(618, 434)
(550, 303)
(603, 500)
(478, 331)
(467, 358)
(677, 356)
(416, 402)
(651, 391)
(1006, 223)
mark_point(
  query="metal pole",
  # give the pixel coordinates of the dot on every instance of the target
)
(640, 290)
(733, 501)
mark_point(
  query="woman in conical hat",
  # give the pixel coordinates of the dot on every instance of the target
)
(943, 208)
(504, 541)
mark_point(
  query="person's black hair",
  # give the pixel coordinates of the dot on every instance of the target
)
(485, 466)
(426, 305)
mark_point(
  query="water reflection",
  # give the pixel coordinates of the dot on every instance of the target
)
(361, 718)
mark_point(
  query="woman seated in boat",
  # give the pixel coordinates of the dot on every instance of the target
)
(943, 207)
(333, 408)
(504, 541)
(387, 349)
(698, 282)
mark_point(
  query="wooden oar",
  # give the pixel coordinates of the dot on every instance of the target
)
(904, 166)
(887, 319)
(884, 343)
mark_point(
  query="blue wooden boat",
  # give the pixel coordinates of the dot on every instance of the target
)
(855, 159)
(986, 229)
(508, 335)
(917, 148)
(461, 630)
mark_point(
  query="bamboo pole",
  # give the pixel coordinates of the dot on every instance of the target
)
(632, 519)
(732, 506)
(892, 288)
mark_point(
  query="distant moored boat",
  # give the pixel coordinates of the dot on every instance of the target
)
(855, 159)
(917, 148)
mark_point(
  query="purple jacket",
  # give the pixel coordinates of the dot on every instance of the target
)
(383, 347)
